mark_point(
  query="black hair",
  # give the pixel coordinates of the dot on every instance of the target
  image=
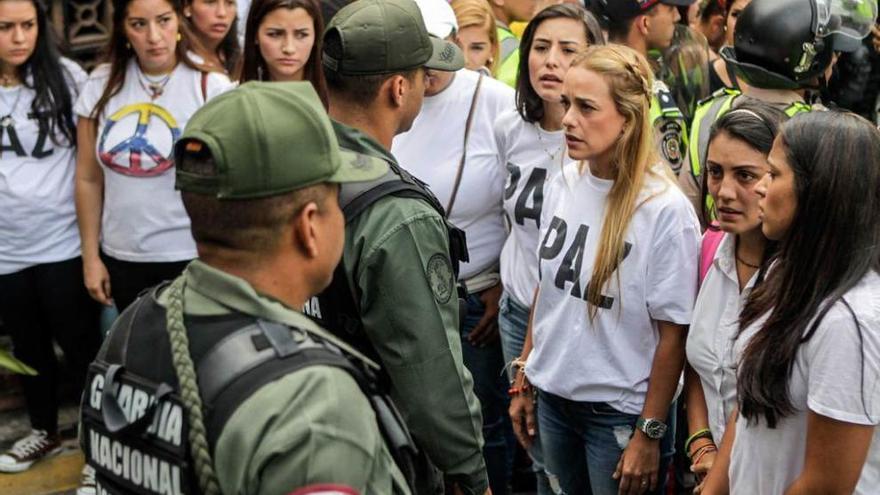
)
(44, 73)
(751, 121)
(832, 243)
(712, 8)
(528, 103)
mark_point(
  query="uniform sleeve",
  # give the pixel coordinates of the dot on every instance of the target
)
(313, 426)
(842, 367)
(673, 272)
(91, 91)
(409, 309)
(670, 141)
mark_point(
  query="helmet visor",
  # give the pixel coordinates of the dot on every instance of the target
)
(844, 23)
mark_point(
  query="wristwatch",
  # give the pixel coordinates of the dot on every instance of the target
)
(652, 428)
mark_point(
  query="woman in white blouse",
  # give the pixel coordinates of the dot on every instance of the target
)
(734, 250)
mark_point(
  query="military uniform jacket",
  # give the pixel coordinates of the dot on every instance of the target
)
(396, 260)
(311, 426)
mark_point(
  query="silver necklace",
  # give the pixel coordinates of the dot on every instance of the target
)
(544, 147)
(154, 87)
(7, 121)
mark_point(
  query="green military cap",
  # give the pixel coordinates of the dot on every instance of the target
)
(266, 139)
(370, 37)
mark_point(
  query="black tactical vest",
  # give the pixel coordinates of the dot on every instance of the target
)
(336, 308)
(134, 426)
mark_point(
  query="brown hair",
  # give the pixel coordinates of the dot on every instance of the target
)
(253, 66)
(119, 52)
(229, 50)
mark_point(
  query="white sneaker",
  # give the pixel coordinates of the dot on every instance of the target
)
(28, 450)
(87, 485)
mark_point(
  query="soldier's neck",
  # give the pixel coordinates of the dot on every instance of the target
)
(284, 282)
(376, 124)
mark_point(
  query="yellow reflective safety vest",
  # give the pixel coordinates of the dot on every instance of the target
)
(508, 54)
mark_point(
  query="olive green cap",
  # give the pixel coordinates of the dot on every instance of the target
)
(370, 37)
(265, 139)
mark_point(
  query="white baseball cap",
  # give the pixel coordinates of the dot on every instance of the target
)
(439, 17)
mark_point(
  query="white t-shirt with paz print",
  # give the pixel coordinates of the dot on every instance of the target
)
(143, 218)
(37, 213)
(532, 157)
(836, 374)
(608, 359)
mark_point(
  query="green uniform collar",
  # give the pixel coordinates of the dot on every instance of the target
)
(234, 294)
(353, 139)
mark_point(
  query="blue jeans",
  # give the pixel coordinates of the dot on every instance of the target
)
(513, 320)
(486, 365)
(583, 442)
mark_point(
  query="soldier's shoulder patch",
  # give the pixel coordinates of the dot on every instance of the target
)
(439, 275)
(671, 144)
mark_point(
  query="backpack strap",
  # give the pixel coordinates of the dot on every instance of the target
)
(711, 240)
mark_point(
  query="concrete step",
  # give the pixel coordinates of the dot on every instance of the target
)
(54, 476)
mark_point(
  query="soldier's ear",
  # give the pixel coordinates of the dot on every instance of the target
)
(304, 226)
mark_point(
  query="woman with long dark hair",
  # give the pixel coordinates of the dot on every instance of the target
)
(531, 146)
(283, 43)
(809, 340)
(734, 252)
(213, 26)
(134, 230)
(41, 283)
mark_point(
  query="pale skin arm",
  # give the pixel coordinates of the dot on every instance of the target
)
(698, 419)
(834, 457)
(641, 458)
(718, 480)
(89, 197)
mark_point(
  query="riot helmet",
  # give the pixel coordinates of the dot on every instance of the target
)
(786, 44)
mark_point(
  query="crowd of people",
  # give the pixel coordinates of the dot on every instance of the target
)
(407, 246)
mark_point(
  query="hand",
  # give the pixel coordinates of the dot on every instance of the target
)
(637, 470)
(522, 414)
(486, 331)
(97, 280)
(701, 469)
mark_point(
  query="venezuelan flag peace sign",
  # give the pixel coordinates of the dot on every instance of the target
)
(142, 150)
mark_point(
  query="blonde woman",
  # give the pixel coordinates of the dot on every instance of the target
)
(477, 35)
(618, 276)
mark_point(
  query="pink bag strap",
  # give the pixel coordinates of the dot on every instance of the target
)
(711, 240)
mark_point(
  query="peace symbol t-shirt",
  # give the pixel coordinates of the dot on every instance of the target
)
(532, 158)
(143, 218)
(609, 358)
(37, 214)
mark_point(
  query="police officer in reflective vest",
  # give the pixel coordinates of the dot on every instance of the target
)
(394, 294)
(215, 383)
(784, 50)
(645, 25)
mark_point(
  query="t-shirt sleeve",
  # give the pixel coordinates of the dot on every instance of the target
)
(218, 84)
(672, 272)
(842, 363)
(91, 92)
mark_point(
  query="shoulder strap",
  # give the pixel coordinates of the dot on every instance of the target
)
(711, 239)
(263, 352)
(467, 133)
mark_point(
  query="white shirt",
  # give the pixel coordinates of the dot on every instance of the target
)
(37, 214)
(714, 326)
(609, 359)
(532, 158)
(143, 216)
(836, 374)
(432, 150)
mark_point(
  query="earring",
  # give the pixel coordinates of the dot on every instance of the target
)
(179, 36)
(127, 45)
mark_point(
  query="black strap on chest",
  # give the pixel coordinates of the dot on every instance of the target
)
(230, 371)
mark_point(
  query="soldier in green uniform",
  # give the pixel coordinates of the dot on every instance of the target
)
(784, 50)
(645, 25)
(215, 383)
(394, 295)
